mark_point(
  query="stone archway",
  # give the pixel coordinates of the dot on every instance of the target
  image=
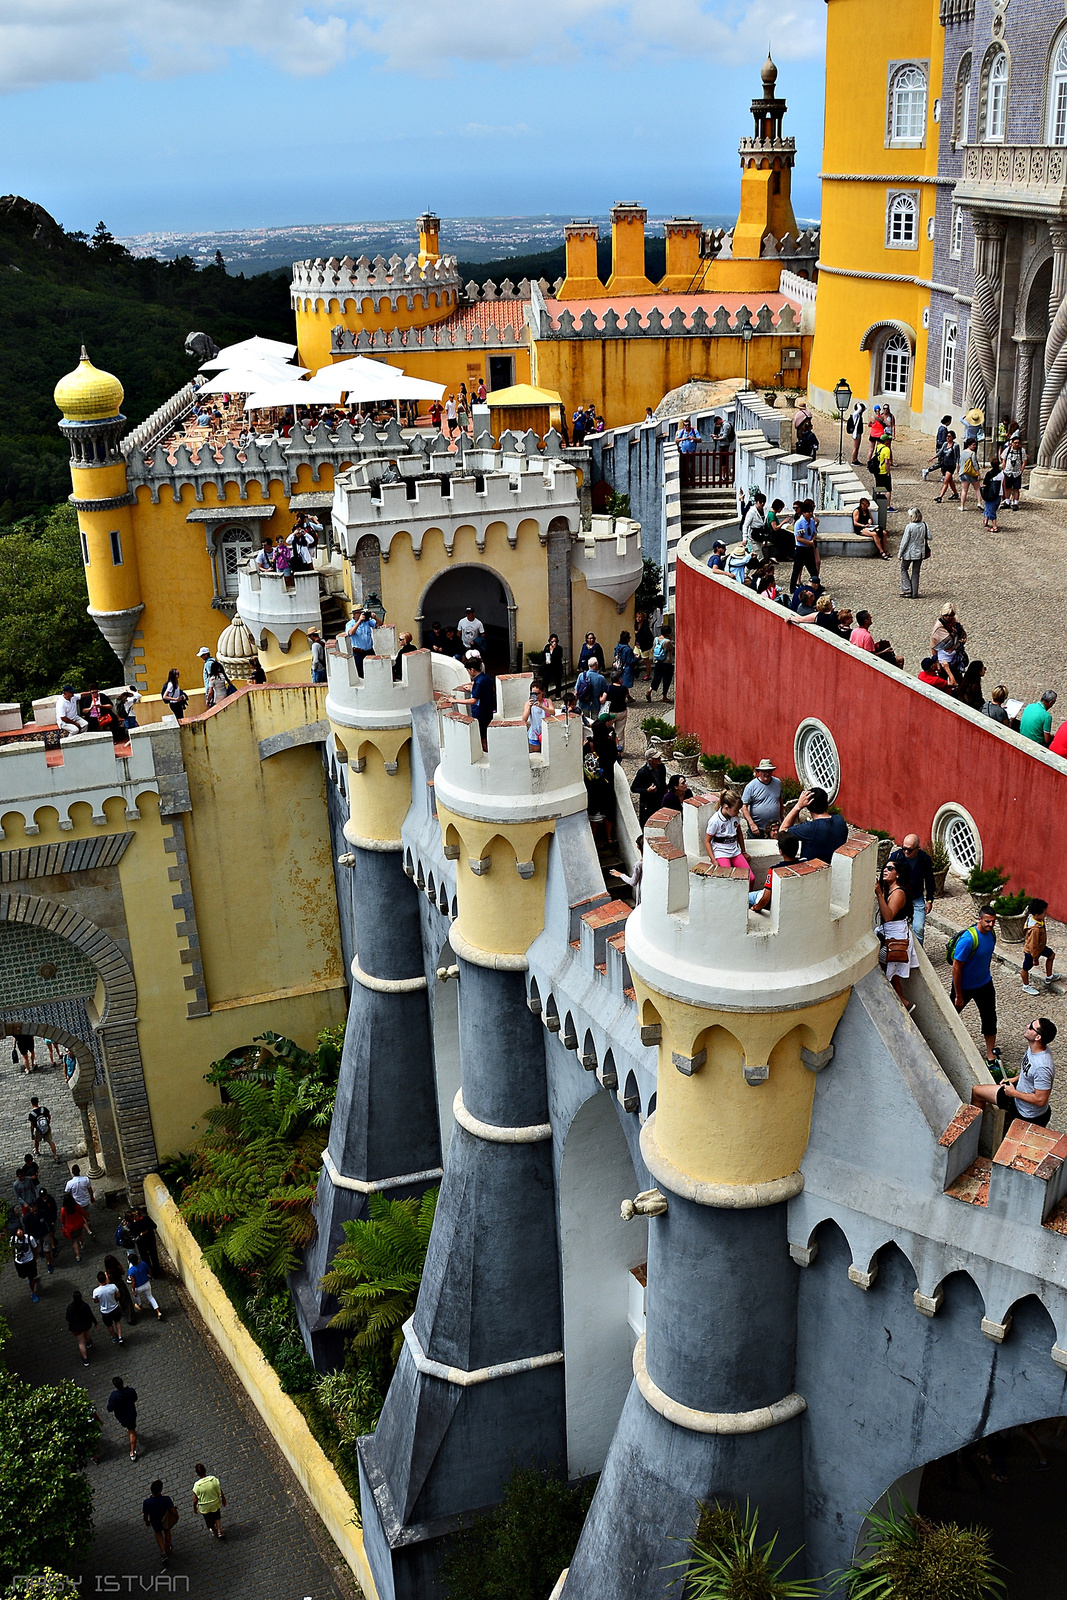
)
(83, 1079)
(464, 583)
(116, 1028)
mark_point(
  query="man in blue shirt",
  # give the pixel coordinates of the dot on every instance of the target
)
(805, 532)
(625, 660)
(972, 980)
(823, 834)
(360, 630)
(591, 690)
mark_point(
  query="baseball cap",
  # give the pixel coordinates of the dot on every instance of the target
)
(203, 651)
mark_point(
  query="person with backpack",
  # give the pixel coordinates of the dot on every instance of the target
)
(662, 663)
(1027, 1094)
(948, 461)
(971, 953)
(591, 689)
(40, 1120)
(992, 486)
(24, 1248)
(625, 662)
(854, 428)
(1037, 947)
(161, 1515)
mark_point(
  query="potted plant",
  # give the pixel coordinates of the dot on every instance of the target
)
(1011, 915)
(770, 396)
(983, 883)
(940, 863)
(907, 1554)
(686, 751)
(716, 767)
(660, 735)
(885, 845)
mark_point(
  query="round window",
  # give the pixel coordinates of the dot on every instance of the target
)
(955, 828)
(815, 757)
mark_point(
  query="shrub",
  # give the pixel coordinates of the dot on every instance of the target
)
(738, 773)
(726, 1563)
(686, 744)
(376, 1274)
(715, 763)
(46, 1585)
(519, 1549)
(353, 1400)
(48, 1432)
(986, 881)
(656, 728)
(272, 1323)
(938, 851)
(651, 585)
(619, 506)
(1011, 905)
(917, 1559)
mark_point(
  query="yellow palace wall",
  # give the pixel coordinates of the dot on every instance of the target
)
(854, 211)
(453, 367)
(315, 322)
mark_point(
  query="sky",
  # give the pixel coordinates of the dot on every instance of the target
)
(195, 114)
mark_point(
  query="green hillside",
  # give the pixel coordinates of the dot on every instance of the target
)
(59, 290)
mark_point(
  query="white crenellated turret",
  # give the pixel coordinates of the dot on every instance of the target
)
(377, 699)
(510, 782)
(694, 938)
(608, 556)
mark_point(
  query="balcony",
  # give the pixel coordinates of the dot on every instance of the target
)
(1023, 179)
(279, 603)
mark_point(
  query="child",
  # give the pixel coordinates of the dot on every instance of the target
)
(1036, 945)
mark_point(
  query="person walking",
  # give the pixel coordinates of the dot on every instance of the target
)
(208, 1500)
(115, 1273)
(1027, 1094)
(948, 462)
(25, 1188)
(24, 1248)
(915, 871)
(805, 554)
(122, 1404)
(161, 1515)
(972, 955)
(139, 1279)
(81, 1322)
(894, 904)
(47, 1213)
(913, 550)
(40, 1120)
(82, 1190)
(72, 1222)
(662, 664)
(970, 473)
(992, 486)
(1037, 947)
(25, 1047)
(854, 427)
(144, 1232)
(883, 468)
(109, 1304)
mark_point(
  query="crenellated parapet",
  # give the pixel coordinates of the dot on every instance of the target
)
(370, 720)
(452, 334)
(396, 282)
(85, 770)
(558, 322)
(608, 555)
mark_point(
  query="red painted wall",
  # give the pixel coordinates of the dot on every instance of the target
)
(748, 675)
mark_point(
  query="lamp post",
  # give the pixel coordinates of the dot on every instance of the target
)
(842, 400)
(746, 335)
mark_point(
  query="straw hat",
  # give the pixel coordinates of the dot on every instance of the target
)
(975, 417)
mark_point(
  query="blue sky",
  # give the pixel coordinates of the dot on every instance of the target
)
(191, 114)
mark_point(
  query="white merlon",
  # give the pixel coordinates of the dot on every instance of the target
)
(273, 602)
(377, 699)
(694, 938)
(609, 557)
(511, 782)
(90, 774)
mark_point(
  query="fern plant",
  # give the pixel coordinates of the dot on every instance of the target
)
(726, 1562)
(917, 1559)
(376, 1274)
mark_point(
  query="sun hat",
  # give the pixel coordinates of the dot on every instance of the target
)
(975, 417)
(766, 765)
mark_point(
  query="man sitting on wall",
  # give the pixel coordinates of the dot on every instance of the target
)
(823, 834)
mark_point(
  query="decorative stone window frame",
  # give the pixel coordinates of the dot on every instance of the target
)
(811, 731)
(996, 50)
(903, 202)
(216, 522)
(955, 235)
(894, 71)
(901, 392)
(950, 330)
(961, 102)
(948, 827)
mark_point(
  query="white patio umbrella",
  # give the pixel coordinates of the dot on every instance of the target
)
(282, 392)
(248, 377)
(362, 379)
(254, 349)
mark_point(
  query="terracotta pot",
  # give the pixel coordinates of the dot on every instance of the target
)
(1011, 929)
(686, 764)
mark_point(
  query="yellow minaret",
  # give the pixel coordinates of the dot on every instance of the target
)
(429, 225)
(93, 424)
(766, 174)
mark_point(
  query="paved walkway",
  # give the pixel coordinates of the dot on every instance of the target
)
(186, 1413)
(49, 1084)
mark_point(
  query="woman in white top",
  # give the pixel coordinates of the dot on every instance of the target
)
(894, 903)
(724, 840)
(1027, 1094)
(533, 714)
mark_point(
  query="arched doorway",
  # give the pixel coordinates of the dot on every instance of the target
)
(600, 1253)
(37, 1021)
(1030, 355)
(446, 599)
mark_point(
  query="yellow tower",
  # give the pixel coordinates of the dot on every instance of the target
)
(93, 424)
(766, 174)
(429, 226)
(582, 281)
(628, 250)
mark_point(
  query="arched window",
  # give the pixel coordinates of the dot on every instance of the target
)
(1057, 94)
(948, 353)
(902, 221)
(962, 113)
(896, 364)
(235, 547)
(995, 107)
(907, 105)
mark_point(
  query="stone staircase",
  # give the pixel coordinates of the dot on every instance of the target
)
(707, 505)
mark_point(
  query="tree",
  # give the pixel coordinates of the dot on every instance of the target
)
(46, 636)
(519, 1549)
(650, 587)
(47, 1434)
(376, 1274)
(46, 1585)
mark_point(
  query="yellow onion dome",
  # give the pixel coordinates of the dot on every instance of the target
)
(87, 394)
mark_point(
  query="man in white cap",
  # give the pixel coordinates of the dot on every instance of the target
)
(761, 801)
(207, 661)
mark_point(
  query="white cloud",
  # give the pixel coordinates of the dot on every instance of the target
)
(78, 40)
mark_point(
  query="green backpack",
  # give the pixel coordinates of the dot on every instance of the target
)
(954, 941)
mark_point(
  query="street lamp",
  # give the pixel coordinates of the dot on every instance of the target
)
(746, 334)
(842, 400)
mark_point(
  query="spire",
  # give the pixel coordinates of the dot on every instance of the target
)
(769, 75)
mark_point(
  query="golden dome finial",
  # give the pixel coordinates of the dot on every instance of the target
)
(87, 394)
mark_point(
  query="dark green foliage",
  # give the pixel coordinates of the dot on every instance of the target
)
(46, 634)
(1011, 905)
(376, 1274)
(46, 1585)
(271, 1321)
(916, 1559)
(519, 1549)
(726, 1561)
(47, 1434)
(986, 881)
(58, 290)
(650, 587)
(619, 506)
(657, 727)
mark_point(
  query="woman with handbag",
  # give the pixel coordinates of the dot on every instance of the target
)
(160, 1514)
(174, 695)
(894, 903)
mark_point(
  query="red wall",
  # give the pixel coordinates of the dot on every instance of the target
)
(748, 674)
